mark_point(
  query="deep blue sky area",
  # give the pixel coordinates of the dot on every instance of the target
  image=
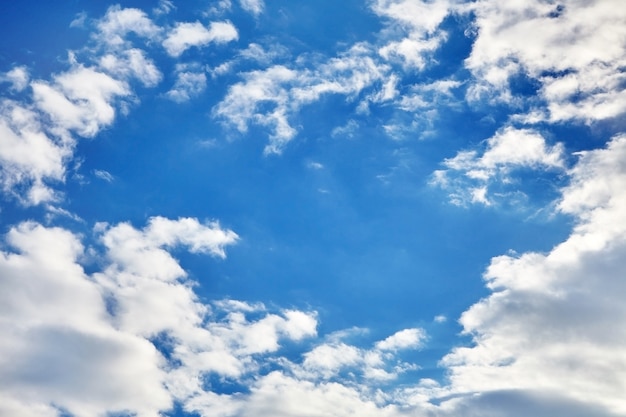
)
(294, 207)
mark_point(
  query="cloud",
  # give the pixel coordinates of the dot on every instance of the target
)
(575, 62)
(419, 22)
(253, 6)
(285, 91)
(186, 35)
(131, 63)
(118, 22)
(404, 339)
(549, 324)
(79, 100)
(103, 175)
(18, 78)
(102, 338)
(28, 156)
(468, 175)
(190, 82)
(56, 329)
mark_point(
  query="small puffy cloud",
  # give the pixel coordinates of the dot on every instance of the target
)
(419, 21)
(254, 7)
(131, 63)
(79, 100)
(187, 35)
(118, 22)
(190, 82)
(336, 359)
(164, 7)
(404, 339)
(468, 175)
(18, 78)
(28, 155)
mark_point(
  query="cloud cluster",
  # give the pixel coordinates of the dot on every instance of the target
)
(40, 129)
(575, 61)
(468, 175)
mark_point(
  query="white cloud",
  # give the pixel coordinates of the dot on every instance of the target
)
(190, 82)
(55, 327)
(551, 323)
(404, 339)
(18, 77)
(253, 6)
(79, 100)
(28, 156)
(131, 63)
(468, 175)
(186, 35)
(288, 90)
(575, 60)
(96, 336)
(103, 175)
(419, 21)
(118, 22)
(164, 7)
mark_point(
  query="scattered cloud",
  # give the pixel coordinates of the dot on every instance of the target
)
(131, 63)
(190, 82)
(103, 175)
(576, 63)
(468, 175)
(186, 35)
(118, 22)
(254, 7)
(549, 323)
(18, 78)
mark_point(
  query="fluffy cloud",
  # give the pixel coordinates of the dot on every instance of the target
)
(131, 63)
(92, 344)
(288, 90)
(550, 323)
(18, 78)
(420, 21)
(186, 35)
(190, 82)
(468, 174)
(118, 22)
(253, 6)
(28, 155)
(575, 61)
(79, 100)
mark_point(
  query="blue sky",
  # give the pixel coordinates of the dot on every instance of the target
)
(292, 208)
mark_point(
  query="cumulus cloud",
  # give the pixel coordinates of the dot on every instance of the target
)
(79, 100)
(420, 21)
(18, 77)
(118, 22)
(28, 155)
(550, 323)
(187, 35)
(468, 175)
(100, 337)
(575, 61)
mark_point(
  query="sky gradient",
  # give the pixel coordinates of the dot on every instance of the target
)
(376, 208)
